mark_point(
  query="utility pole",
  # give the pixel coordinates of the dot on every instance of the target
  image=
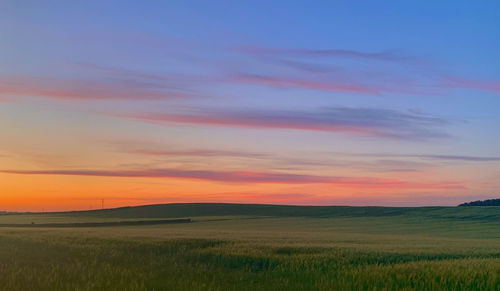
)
(102, 204)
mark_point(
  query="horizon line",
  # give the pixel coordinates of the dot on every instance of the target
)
(226, 203)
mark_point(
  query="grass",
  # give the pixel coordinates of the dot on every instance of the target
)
(223, 209)
(96, 224)
(333, 249)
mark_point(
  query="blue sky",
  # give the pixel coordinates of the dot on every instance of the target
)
(343, 82)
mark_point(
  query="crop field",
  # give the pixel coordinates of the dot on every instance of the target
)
(264, 248)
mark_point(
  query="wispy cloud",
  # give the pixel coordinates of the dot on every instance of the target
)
(458, 158)
(276, 161)
(453, 82)
(357, 121)
(340, 53)
(83, 89)
(163, 80)
(248, 177)
(197, 153)
(237, 71)
(160, 149)
(407, 74)
(291, 83)
(443, 157)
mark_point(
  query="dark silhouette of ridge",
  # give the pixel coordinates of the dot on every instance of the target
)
(487, 202)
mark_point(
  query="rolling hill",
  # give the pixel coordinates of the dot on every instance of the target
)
(177, 210)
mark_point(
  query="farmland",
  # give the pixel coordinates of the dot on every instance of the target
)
(255, 247)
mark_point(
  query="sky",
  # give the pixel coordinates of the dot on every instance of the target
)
(393, 103)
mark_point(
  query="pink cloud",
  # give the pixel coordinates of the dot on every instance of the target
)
(251, 124)
(72, 89)
(287, 83)
(474, 84)
(196, 153)
(249, 177)
(358, 121)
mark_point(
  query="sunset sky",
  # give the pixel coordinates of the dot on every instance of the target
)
(296, 102)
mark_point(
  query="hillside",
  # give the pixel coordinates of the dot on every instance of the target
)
(177, 210)
(488, 202)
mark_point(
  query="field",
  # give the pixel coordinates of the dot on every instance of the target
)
(256, 247)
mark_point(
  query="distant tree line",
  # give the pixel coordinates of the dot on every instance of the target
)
(488, 202)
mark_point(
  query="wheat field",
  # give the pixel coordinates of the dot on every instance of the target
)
(415, 249)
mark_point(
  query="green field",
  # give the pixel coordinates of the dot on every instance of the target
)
(256, 247)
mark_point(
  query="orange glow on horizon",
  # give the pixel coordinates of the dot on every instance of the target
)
(66, 192)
